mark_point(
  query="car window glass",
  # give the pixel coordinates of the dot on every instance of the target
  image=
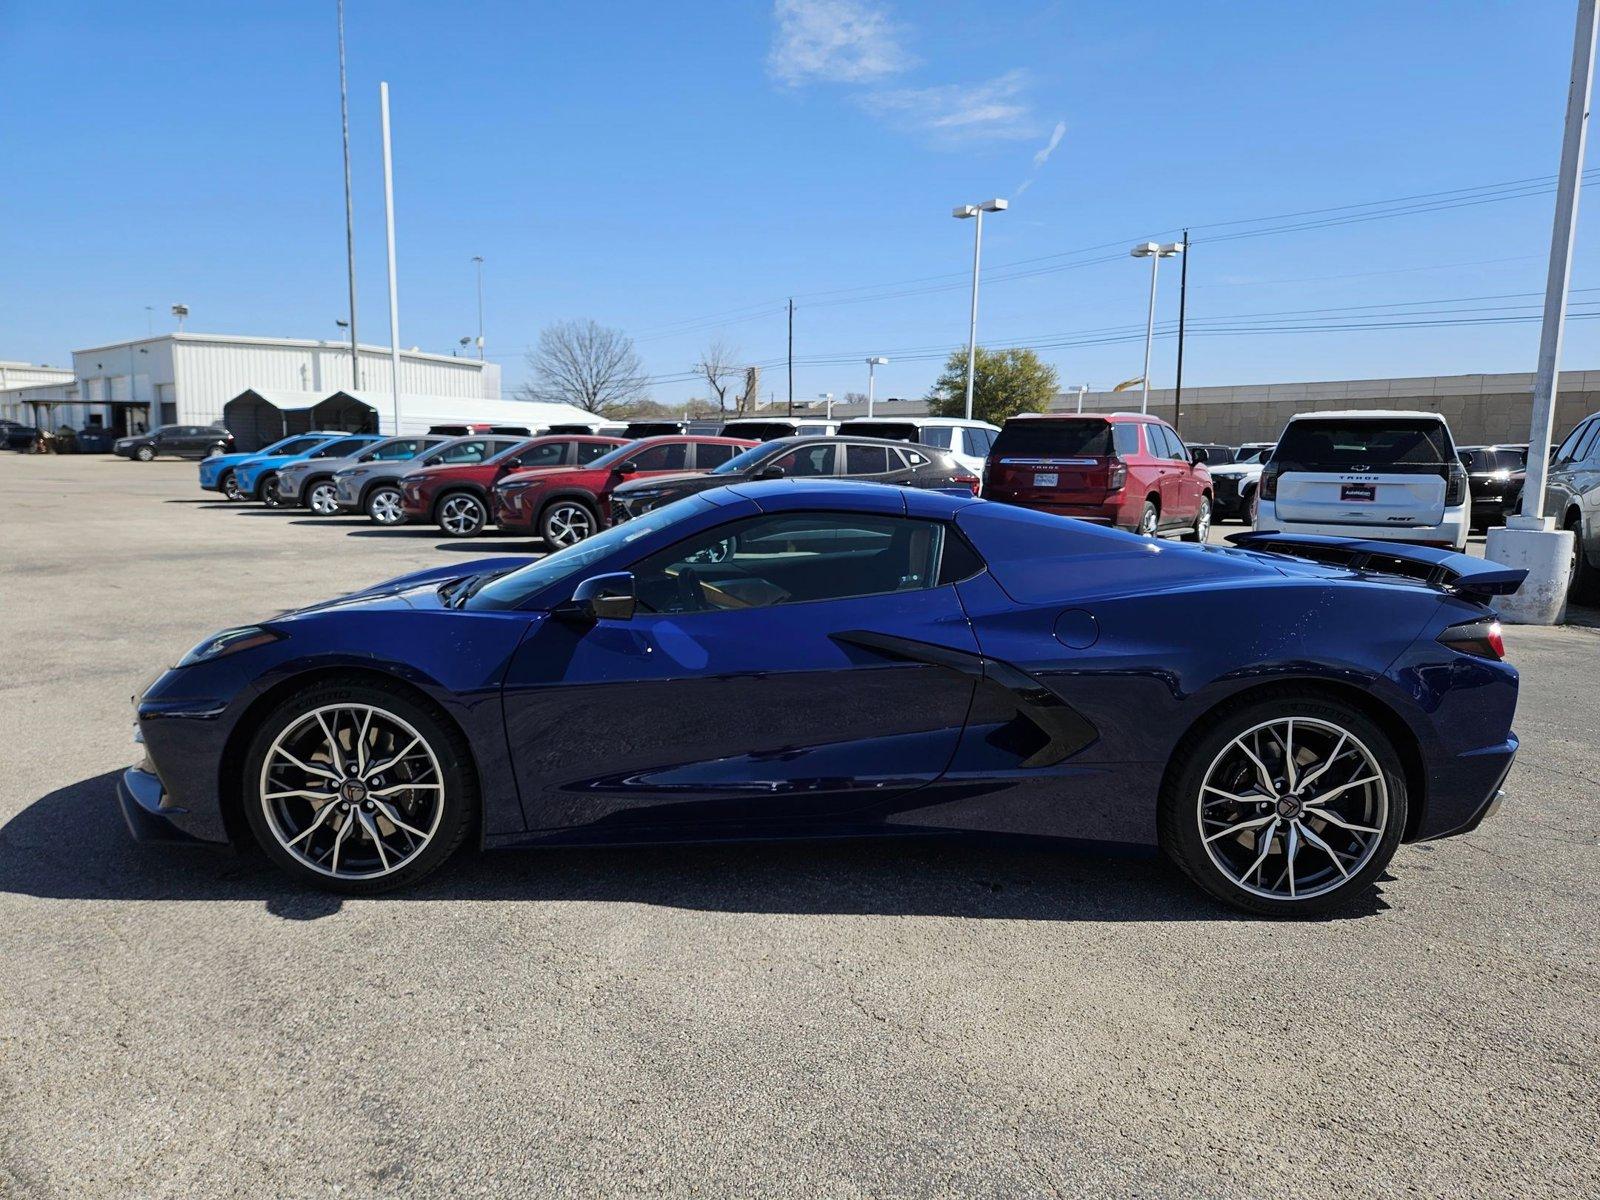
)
(807, 460)
(913, 458)
(342, 448)
(1126, 438)
(790, 558)
(813, 429)
(712, 454)
(1179, 450)
(1569, 445)
(1340, 444)
(865, 460)
(589, 451)
(396, 451)
(1586, 451)
(669, 456)
(465, 452)
(973, 443)
(549, 454)
(936, 435)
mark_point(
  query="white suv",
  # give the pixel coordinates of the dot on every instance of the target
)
(969, 441)
(1367, 474)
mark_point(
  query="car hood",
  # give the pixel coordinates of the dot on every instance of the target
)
(419, 589)
(658, 482)
(1240, 469)
(540, 474)
(270, 460)
(212, 463)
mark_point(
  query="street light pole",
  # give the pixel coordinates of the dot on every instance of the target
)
(349, 212)
(827, 397)
(394, 290)
(872, 366)
(478, 258)
(1155, 253)
(962, 212)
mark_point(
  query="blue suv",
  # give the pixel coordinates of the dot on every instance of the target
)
(257, 478)
(220, 472)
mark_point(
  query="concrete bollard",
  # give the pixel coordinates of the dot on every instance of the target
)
(1546, 554)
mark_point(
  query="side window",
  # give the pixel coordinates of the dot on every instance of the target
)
(1179, 450)
(340, 449)
(790, 558)
(589, 451)
(548, 455)
(467, 452)
(806, 461)
(1589, 449)
(396, 451)
(1126, 440)
(1568, 450)
(914, 459)
(669, 456)
(936, 435)
(712, 454)
(976, 442)
(865, 460)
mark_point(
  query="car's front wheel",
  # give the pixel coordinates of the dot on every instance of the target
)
(323, 499)
(1583, 584)
(1149, 520)
(1289, 806)
(1201, 528)
(462, 515)
(230, 486)
(567, 522)
(358, 787)
(268, 488)
(145, 453)
(383, 505)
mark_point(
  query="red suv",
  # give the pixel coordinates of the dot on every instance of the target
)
(456, 495)
(564, 505)
(1119, 469)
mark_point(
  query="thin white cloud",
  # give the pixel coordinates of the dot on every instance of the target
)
(1042, 156)
(834, 41)
(958, 112)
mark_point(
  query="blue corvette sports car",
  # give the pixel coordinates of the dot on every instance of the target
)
(798, 658)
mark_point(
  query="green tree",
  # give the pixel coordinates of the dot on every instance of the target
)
(1004, 383)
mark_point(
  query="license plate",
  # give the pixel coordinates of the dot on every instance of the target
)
(1046, 478)
(1358, 491)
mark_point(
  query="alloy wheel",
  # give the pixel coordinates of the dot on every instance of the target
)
(352, 791)
(462, 516)
(1202, 521)
(384, 507)
(1292, 808)
(230, 486)
(1148, 521)
(567, 524)
(324, 501)
(269, 492)
(144, 454)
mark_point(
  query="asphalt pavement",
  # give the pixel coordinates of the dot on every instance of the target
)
(823, 1020)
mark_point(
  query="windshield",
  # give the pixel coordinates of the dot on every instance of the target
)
(894, 431)
(742, 461)
(1073, 438)
(295, 445)
(761, 431)
(509, 591)
(1334, 444)
(1257, 457)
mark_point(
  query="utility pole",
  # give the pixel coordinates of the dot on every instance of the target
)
(349, 212)
(791, 356)
(394, 290)
(1183, 304)
(478, 258)
(1530, 539)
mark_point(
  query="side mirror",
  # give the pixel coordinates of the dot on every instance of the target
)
(628, 468)
(601, 597)
(770, 473)
(1199, 455)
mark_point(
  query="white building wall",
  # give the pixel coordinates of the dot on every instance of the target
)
(22, 374)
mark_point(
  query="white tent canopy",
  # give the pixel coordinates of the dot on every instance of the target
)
(420, 413)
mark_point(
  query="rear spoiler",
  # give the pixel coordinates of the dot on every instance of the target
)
(1427, 564)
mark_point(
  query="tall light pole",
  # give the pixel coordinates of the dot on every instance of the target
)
(1155, 253)
(872, 366)
(827, 398)
(961, 213)
(478, 258)
(1530, 539)
(180, 311)
(349, 213)
(394, 289)
(1082, 388)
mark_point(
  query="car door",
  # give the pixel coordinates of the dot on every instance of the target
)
(1169, 483)
(788, 667)
(1564, 486)
(872, 463)
(1191, 487)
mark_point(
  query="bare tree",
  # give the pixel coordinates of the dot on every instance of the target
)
(586, 364)
(719, 367)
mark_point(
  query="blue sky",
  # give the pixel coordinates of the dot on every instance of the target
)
(678, 170)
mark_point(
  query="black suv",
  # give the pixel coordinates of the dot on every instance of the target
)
(1495, 475)
(16, 435)
(871, 460)
(176, 441)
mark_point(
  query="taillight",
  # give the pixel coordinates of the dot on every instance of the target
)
(1269, 482)
(1480, 638)
(1455, 486)
(1118, 475)
(971, 481)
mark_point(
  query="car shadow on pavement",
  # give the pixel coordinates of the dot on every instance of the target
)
(912, 877)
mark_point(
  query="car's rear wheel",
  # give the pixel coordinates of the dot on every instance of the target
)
(1149, 520)
(567, 522)
(1202, 523)
(1583, 584)
(215, 452)
(462, 515)
(268, 488)
(323, 498)
(383, 505)
(1289, 806)
(145, 453)
(358, 787)
(230, 486)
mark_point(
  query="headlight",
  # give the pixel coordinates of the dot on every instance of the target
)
(229, 641)
(351, 472)
(1500, 476)
(517, 485)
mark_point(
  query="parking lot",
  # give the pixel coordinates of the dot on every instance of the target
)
(840, 1020)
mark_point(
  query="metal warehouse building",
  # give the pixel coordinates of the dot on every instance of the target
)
(188, 378)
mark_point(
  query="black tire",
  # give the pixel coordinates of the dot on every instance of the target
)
(145, 453)
(382, 505)
(229, 483)
(1180, 809)
(1583, 585)
(321, 497)
(564, 513)
(267, 491)
(461, 514)
(216, 451)
(460, 802)
(1149, 520)
(1202, 522)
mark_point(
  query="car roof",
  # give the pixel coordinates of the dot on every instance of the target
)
(1370, 414)
(895, 420)
(843, 495)
(1073, 416)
